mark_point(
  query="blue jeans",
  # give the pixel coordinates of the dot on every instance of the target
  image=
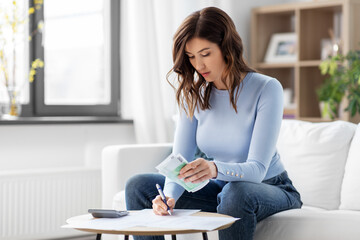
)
(251, 202)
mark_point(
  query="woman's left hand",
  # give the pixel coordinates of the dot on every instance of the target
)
(198, 170)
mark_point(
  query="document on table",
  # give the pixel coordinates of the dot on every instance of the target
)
(171, 167)
(180, 219)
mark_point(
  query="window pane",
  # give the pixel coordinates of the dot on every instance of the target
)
(18, 79)
(74, 50)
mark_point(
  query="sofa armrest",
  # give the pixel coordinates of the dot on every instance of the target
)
(120, 162)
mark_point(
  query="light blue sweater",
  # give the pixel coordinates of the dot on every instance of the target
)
(242, 144)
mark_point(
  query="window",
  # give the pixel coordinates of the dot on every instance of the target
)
(79, 44)
(75, 53)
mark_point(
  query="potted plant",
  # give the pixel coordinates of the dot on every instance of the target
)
(14, 19)
(343, 80)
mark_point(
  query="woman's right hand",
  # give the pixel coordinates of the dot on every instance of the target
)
(160, 208)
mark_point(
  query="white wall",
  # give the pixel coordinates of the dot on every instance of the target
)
(58, 145)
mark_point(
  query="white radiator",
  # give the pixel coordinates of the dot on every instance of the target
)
(35, 204)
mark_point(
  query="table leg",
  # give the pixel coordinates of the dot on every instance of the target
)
(98, 236)
(173, 237)
(205, 236)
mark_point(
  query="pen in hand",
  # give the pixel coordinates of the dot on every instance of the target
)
(163, 197)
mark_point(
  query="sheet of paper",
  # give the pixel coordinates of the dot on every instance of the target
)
(180, 219)
(171, 167)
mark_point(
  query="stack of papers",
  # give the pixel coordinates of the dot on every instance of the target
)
(180, 219)
(171, 167)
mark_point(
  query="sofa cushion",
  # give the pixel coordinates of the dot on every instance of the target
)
(350, 191)
(310, 223)
(314, 154)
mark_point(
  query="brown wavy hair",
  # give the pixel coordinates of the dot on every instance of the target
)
(216, 26)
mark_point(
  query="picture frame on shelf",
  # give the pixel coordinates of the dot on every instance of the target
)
(282, 48)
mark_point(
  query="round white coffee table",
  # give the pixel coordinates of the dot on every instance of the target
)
(152, 231)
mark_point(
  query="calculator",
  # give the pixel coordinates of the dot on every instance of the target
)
(107, 213)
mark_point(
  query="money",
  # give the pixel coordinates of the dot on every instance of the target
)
(171, 167)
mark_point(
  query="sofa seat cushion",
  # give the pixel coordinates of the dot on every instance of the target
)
(314, 154)
(310, 223)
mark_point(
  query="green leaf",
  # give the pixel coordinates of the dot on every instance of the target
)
(349, 108)
(343, 76)
(324, 66)
(353, 110)
(332, 67)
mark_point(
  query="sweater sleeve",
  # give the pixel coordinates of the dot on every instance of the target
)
(262, 148)
(185, 144)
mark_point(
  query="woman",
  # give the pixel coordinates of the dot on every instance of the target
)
(233, 115)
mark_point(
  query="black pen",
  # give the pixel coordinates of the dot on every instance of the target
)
(163, 197)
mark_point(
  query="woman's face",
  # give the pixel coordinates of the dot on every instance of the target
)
(207, 59)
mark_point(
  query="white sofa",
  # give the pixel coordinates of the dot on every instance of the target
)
(322, 159)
